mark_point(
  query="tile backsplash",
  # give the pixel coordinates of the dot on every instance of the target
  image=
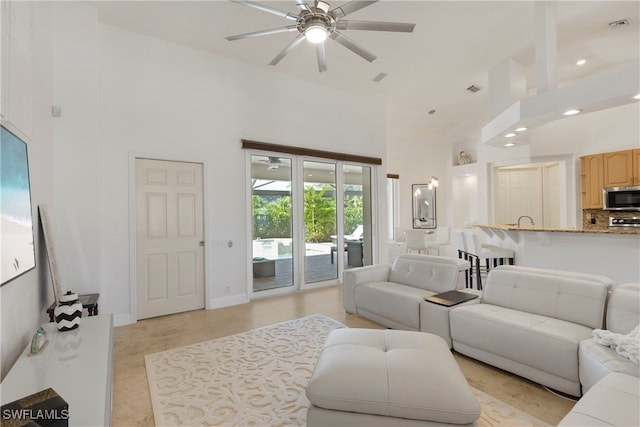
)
(598, 219)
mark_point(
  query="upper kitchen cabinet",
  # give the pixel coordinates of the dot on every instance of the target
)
(636, 166)
(618, 168)
(592, 175)
(17, 66)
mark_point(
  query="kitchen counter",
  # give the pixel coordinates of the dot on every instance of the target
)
(614, 253)
(514, 227)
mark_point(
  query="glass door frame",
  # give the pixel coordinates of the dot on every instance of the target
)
(298, 226)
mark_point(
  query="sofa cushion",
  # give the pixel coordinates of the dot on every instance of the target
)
(392, 373)
(576, 298)
(612, 401)
(623, 309)
(540, 342)
(433, 273)
(400, 303)
(596, 361)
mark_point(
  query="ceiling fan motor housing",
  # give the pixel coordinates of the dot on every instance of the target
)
(315, 19)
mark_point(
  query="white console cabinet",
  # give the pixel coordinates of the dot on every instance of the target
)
(76, 364)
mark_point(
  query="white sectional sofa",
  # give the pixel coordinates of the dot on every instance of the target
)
(531, 321)
(391, 295)
(612, 401)
(537, 323)
(623, 315)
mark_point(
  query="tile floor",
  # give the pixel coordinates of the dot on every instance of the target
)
(132, 403)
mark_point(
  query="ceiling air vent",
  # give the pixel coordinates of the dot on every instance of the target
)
(473, 88)
(379, 77)
(619, 23)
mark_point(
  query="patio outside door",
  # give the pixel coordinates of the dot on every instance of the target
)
(271, 224)
(296, 239)
(319, 212)
(169, 237)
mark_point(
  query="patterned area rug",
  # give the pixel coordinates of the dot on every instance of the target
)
(258, 378)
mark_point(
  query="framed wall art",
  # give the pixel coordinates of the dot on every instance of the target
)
(17, 251)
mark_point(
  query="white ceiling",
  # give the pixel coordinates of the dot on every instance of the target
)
(454, 45)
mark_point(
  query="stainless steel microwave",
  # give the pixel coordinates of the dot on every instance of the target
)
(621, 198)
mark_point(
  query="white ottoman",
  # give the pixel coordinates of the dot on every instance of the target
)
(388, 377)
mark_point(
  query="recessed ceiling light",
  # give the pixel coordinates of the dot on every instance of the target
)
(572, 112)
(510, 135)
(580, 62)
(637, 96)
(509, 144)
(521, 129)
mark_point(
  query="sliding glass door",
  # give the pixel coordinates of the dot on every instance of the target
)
(357, 215)
(319, 211)
(297, 240)
(271, 218)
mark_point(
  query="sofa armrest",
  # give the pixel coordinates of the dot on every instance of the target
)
(356, 276)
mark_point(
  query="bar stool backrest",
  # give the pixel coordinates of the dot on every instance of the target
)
(461, 243)
(473, 242)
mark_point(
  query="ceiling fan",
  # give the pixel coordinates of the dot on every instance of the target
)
(273, 162)
(317, 23)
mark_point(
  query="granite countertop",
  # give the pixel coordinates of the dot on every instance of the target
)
(514, 227)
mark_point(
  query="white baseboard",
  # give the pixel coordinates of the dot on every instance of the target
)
(127, 318)
(227, 301)
(122, 319)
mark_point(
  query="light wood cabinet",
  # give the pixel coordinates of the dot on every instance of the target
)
(618, 169)
(636, 166)
(592, 176)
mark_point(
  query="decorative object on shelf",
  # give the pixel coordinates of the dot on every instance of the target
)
(463, 158)
(38, 342)
(68, 312)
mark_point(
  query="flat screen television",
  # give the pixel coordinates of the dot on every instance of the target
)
(17, 251)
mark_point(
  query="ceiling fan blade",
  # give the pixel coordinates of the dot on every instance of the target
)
(303, 6)
(262, 33)
(352, 6)
(375, 26)
(267, 9)
(284, 52)
(322, 57)
(353, 46)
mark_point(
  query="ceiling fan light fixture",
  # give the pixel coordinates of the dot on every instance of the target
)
(316, 33)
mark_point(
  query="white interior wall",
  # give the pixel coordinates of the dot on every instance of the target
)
(162, 100)
(24, 300)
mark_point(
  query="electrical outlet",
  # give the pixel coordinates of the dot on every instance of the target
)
(227, 289)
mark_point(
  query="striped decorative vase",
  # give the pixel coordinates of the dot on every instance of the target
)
(68, 312)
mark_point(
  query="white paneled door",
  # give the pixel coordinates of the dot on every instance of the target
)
(169, 237)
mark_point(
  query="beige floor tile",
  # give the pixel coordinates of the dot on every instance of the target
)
(132, 403)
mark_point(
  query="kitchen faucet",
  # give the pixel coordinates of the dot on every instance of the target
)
(526, 216)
